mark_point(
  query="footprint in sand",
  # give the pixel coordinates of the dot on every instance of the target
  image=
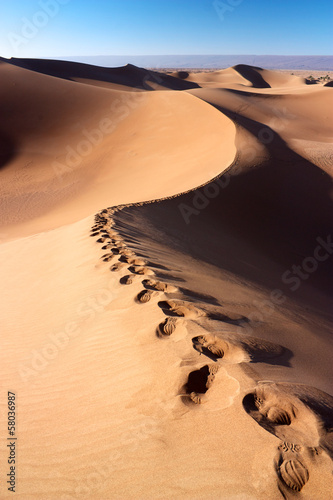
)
(114, 250)
(132, 260)
(292, 465)
(180, 308)
(145, 296)
(128, 279)
(120, 245)
(299, 467)
(168, 326)
(126, 252)
(160, 286)
(118, 266)
(295, 413)
(236, 348)
(198, 383)
(302, 417)
(141, 270)
(103, 239)
(107, 257)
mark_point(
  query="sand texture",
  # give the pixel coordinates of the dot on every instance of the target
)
(166, 252)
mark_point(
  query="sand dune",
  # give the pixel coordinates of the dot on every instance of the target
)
(242, 75)
(70, 137)
(128, 76)
(166, 298)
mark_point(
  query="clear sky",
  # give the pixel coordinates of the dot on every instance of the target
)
(55, 28)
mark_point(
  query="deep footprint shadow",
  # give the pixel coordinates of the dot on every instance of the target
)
(198, 383)
(166, 309)
(127, 280)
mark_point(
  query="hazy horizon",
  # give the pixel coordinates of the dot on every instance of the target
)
(319, 63)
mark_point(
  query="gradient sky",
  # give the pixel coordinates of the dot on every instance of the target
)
(156, 27)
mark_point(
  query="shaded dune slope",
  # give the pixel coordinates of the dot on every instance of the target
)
(127, 76)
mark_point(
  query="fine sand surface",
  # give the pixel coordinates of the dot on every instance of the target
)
(166, 266)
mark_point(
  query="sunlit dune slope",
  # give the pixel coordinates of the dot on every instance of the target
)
(74, 148)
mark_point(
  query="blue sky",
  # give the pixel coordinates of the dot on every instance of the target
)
(55, 28)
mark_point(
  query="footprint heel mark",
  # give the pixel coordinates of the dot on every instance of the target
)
(145, 296)
(293, 465)
(198, 383)
(195, 398)
(167, 327)
(294, 474)
(279, 416)
(128, 279)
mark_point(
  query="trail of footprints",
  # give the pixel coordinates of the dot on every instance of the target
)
(298, 415)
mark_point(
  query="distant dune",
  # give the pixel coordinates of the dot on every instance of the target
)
(324, 63)
(166, 271)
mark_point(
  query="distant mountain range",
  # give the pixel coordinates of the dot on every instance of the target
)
(322, 63)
